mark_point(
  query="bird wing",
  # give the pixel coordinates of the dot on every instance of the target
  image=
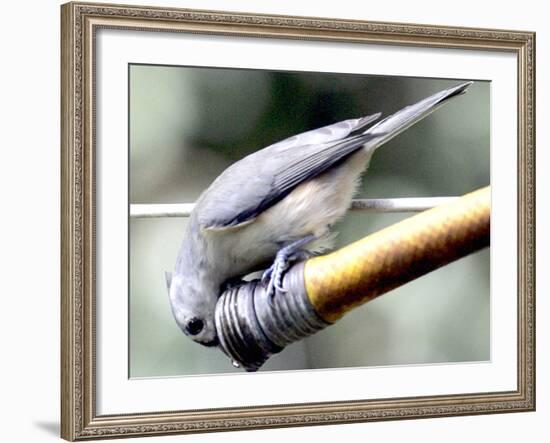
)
(253, 184)
(260, 180)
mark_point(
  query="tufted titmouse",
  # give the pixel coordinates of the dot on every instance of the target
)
(276, 206)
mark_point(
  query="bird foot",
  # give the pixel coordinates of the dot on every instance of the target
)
(273, 277)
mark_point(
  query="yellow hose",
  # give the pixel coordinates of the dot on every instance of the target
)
(359, 272)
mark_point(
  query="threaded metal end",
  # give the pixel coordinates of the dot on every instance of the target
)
(252, 325)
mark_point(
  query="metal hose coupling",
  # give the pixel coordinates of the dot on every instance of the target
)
(252, 325)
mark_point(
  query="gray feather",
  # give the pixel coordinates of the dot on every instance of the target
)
(168, 278)
(326, 134)
(263, 178)
(403, 119)
(260, 180)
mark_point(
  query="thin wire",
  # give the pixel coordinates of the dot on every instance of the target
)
(364, 205)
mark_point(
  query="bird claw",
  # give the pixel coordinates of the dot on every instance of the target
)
(266, 276)
(273, 277)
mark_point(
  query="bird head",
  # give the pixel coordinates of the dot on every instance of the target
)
(193, 305)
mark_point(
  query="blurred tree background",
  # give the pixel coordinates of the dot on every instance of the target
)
(188, 124)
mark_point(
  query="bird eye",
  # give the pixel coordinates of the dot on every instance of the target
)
(194, 326)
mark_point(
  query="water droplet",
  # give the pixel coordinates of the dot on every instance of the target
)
(235, 364)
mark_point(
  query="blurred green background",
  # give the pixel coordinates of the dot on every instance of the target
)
(188, 124)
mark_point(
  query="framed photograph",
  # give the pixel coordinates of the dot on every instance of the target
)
(226, 219)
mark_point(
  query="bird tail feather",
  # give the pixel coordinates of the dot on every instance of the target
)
(403, 119)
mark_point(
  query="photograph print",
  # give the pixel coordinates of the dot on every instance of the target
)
(284, 220)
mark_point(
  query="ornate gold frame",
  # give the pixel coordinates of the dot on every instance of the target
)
(79, 22)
